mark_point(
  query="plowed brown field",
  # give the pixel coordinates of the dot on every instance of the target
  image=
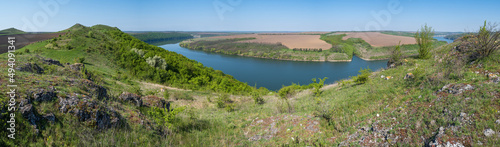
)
(290, 41)
(378, 39)
(25, 39)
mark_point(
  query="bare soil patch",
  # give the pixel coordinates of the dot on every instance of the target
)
(378, 39)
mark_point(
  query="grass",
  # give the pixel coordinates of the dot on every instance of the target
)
(410, 109)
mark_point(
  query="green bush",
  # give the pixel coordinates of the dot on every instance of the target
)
(363, 77)
(223, 100)
(424, 40)
(137, 90)
(80, 60)
(164, 116)
(257, 98)
(229, 107)
(286, 92)
(396, 55)
(487, 41)
(318, 85)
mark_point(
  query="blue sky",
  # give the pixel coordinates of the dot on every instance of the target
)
(250, 15)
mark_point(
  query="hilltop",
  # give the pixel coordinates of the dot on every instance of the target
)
(98, 86)
(11, 31)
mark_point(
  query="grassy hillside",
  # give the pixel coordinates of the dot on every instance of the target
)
(160, 38)
(11, 31)
(97, 86)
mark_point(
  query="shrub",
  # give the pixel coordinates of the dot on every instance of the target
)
(164, 116)
(223, 100)
(137, 90)
(344, 83)
(257, 98)
(80, 60)
(318, 85)
(396, 54)
(363, 77)
(424, 40)
(286, 92)
(487, 41)
(229, 107)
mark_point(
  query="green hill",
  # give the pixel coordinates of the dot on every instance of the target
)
(98, 86)
(160, 38)
(11, 31)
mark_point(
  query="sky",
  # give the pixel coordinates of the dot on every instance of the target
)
(250, 15)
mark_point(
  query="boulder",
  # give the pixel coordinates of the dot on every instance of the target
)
(456, 88)
(24, 102)
(134, 98)
(101, 117)
(30, 67)
(96, 91)
(43, 95)
(68, 102)
(77, 66)
(52, 62)
(488, 132)
(154, 101)
(30, 114)
(49, 117)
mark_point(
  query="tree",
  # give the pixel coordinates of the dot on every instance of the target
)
(424, 40)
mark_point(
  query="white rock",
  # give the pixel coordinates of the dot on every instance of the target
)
(488, 132)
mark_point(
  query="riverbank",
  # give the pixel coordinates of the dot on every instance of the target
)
(273, 74)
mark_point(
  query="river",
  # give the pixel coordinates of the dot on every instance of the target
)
(443, 39)
(272, 74)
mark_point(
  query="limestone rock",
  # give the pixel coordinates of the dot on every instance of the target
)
(134, 98)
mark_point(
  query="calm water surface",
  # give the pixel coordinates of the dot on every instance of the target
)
(443, 39)
(272, 74)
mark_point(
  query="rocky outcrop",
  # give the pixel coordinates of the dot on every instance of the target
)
(456, 88)
(94, 90)
(68, 102)
(44, 95)
(87, 110)
(154, 101)
(130, 97)
(30, 114)
(52, 62)
(30, 67)
(77, 66)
